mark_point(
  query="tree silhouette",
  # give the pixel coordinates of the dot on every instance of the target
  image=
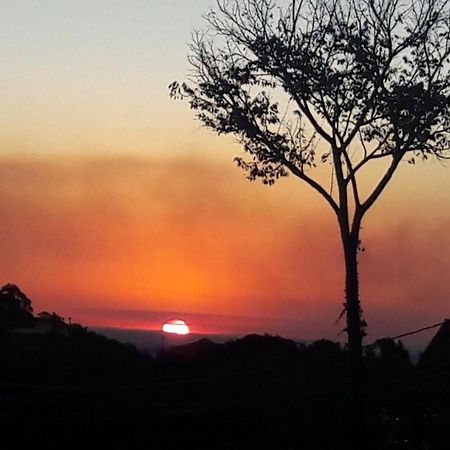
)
(51, 317)
(15, 307)
(304, 83)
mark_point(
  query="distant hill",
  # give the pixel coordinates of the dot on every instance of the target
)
(153, 341)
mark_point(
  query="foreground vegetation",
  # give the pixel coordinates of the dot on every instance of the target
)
(68, 387)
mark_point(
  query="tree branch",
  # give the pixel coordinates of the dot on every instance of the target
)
(314, 184)
(382, 184)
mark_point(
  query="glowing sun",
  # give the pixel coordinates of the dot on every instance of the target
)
(176, 326)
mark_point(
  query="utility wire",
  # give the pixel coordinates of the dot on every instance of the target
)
(409, 333)
(419, 330)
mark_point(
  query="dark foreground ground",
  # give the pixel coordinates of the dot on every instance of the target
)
(80, 390)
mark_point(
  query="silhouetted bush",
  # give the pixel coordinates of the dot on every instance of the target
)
(74, 388)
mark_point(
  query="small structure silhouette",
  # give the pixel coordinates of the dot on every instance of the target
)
(437, 353)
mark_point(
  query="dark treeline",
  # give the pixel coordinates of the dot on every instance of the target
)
(63, 386)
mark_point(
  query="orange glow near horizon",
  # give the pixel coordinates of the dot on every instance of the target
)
(193, 236)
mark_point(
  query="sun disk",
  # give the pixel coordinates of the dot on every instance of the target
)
(176, 326)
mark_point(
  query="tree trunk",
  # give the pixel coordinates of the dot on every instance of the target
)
(355, 335)
(353, 307)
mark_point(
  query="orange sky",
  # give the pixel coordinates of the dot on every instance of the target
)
(99, 237)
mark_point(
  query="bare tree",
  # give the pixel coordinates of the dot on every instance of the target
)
(302, 83)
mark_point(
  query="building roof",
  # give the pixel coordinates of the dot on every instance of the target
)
(437, 353)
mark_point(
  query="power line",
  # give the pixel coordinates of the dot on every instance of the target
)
(419, 330)
(409, 333)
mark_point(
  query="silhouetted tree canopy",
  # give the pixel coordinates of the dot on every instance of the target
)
(15, 307)
(371, 73)
(51, 317)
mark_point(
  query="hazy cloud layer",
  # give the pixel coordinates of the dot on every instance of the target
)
(194, 236)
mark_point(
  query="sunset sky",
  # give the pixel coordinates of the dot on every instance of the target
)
(118, 208)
